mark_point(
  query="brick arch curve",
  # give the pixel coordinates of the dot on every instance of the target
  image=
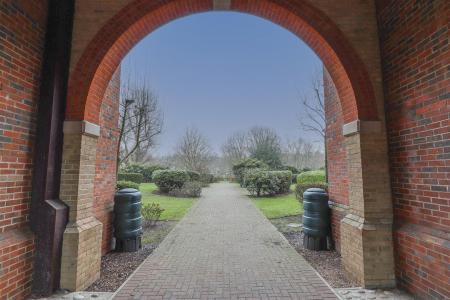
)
(104, 53)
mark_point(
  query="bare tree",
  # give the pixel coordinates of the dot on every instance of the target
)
(193, 151)
(314, 107)
(301, 155)
(235, 148)
(265, 144)
(293, 153)
(141, 121)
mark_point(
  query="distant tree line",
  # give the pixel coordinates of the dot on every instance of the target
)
(264, 144)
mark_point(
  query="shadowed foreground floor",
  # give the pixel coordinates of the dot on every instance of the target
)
(224, 248)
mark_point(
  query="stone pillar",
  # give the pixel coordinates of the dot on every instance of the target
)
(81, 251)
(366, 231)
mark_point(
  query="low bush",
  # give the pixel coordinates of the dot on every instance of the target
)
(193, 176)
(134, 177)
(262, 182)
(294, 178)
(121, 184)
(301, 188)
(246, 164)
(311, 177)
(191, 189)
(145, 170)
(167, 180)
(285, 180)
(294, 170)
(151, 213)
(206, 179)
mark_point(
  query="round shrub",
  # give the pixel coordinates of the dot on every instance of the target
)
(246, 164)
(150, 169)
(311, 177)
(190, 189)
(193, 176)
(167, 180)
(127, 184)
(151, 213)
(262, 182)
(206, 179)
(284, 180)
(134, 177)
(256, 181)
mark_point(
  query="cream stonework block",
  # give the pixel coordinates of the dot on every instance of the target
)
(81, 253)
(366, 231)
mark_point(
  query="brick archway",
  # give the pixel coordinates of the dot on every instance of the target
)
(98, 48)
(104, 53)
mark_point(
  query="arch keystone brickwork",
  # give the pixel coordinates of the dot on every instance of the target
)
(349, 54)
(222, 4)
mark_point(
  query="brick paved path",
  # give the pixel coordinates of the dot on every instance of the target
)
(225, 248)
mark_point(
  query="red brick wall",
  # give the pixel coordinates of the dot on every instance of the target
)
(100, 43)
(336, 156)
(414, 38)
(22, 34)
(105, 177)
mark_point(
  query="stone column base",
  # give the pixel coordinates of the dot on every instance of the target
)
(367, 251)
(81, 254)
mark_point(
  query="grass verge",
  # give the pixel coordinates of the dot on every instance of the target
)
(174, 208)
(279, 206)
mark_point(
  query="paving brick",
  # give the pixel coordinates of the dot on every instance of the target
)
(225, 248)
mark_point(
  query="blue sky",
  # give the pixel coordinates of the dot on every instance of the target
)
(224, 72)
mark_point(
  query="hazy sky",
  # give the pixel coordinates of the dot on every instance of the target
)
(225, 72)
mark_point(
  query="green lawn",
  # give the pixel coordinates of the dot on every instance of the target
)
(279, 206)
(174, 208)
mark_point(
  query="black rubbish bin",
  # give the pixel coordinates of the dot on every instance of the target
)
(127, 220)
(316, 219)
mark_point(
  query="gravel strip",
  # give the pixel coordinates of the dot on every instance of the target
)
(116, 267)
(327, 263)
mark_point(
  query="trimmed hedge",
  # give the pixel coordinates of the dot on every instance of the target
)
(191, 189)
(301, 188)
(311, 177)
(134, 177)
(262, 182)
(145, 170)
(127, 184)
(167, 180)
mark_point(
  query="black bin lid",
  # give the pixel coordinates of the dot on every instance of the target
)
(127, 191)
(316, 190)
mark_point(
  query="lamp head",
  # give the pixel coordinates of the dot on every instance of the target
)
(129, 101)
